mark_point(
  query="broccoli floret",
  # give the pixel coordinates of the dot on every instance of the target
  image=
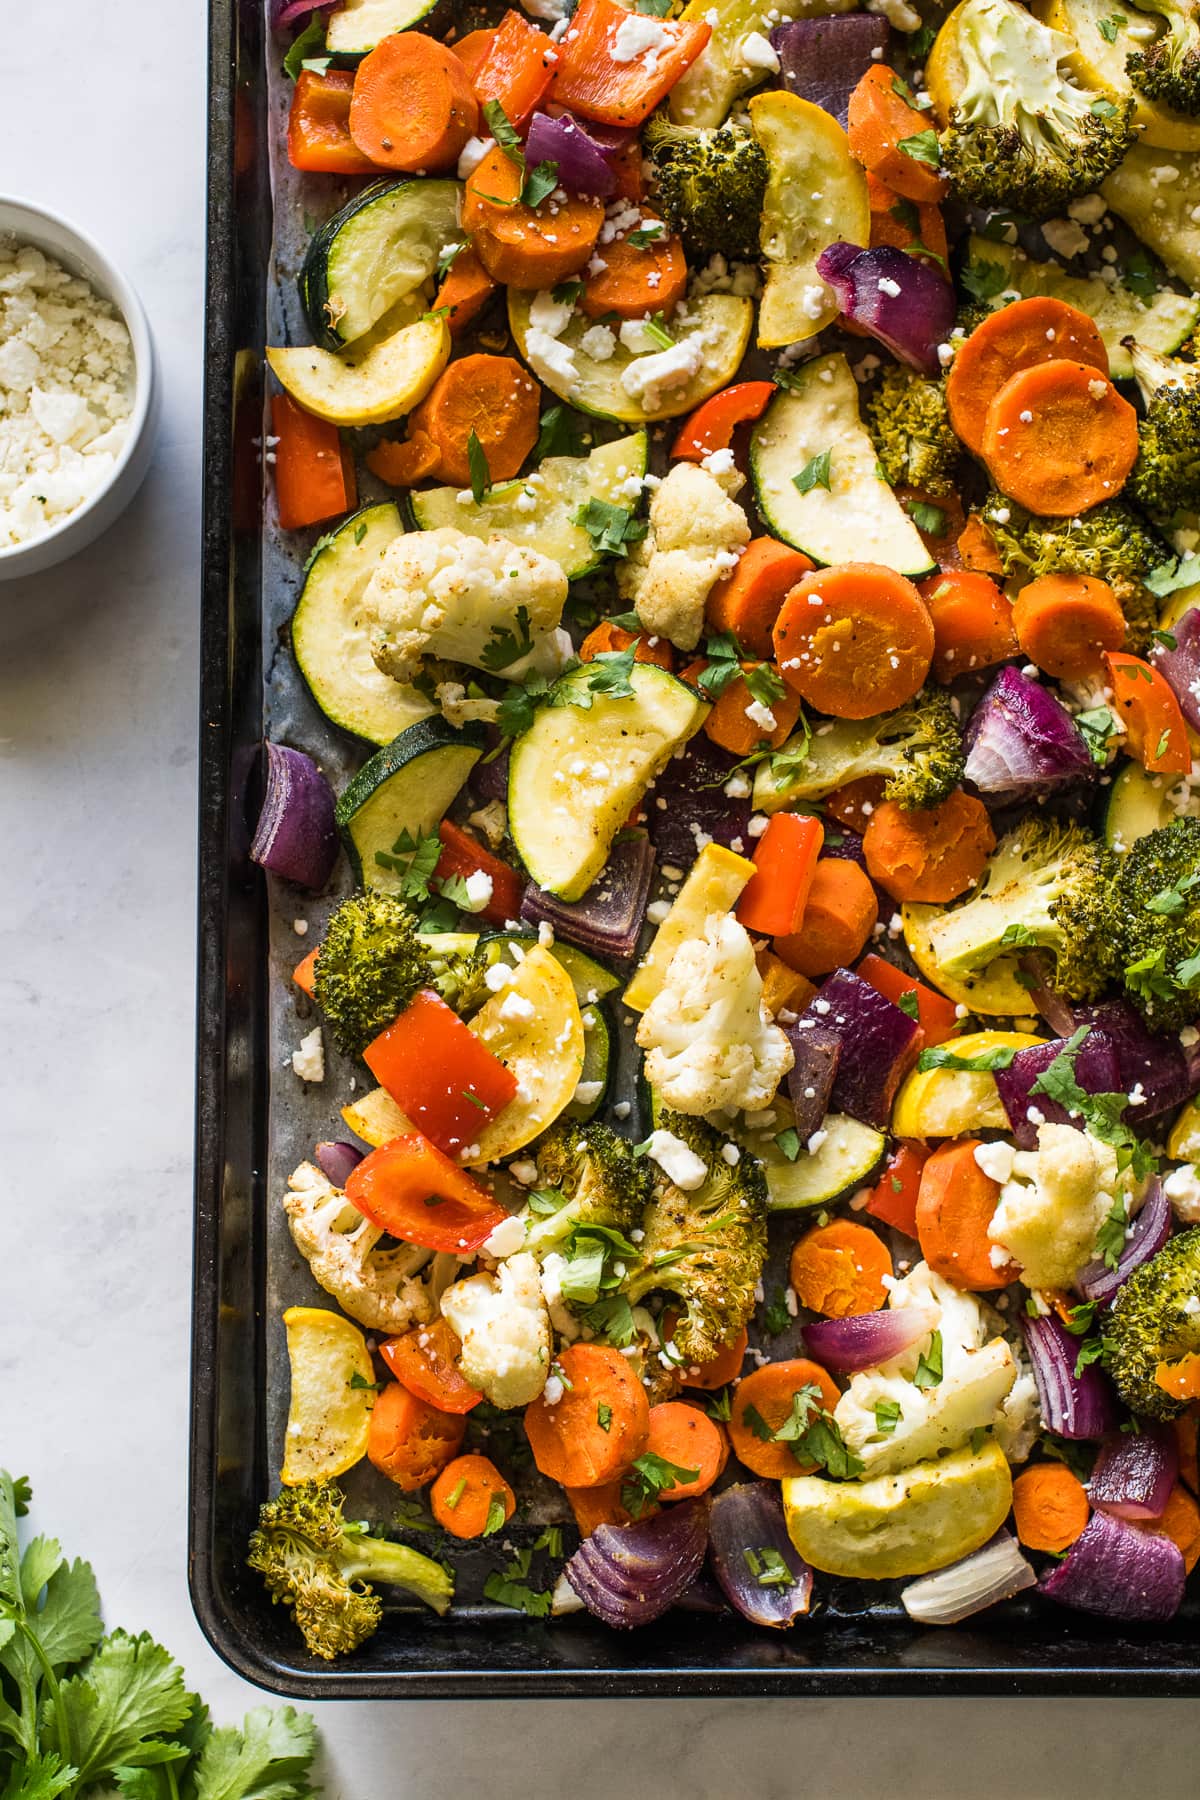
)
(1046, 886)
(1021, 135)
(910, 423)
(705, 1246)
(1156, 901)
(1166, 475)
(710, 185)
(321, 1567)
(1155, 1318)
(917, 749)
(1169, 68)
(372, 962)
(602, 1181)
(1112, 541)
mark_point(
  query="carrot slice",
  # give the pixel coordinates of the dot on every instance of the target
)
(314, 472)
(1065, 623)
(784, 989)
(305, 973)
(1180, 1379)
(853, 803)
(1180, 1521)
(890, 135)
(838, 915)
(413, 106)
(681, 1434)
(747, 600)
(725, 1367)
(1017, 337)
(526, 246)
(465, 291)
(1059, 438)
(1152, 716)
(492, 397)
(954, 1209)
(905, 224)
(1050, 1507)
(933, 853)
(854, 640)
(471, 1498)
(602, 1505)
(839, 1269)
(972, 622)
(472, 48)
(404, 462)
(637, 278)
(764, 1402)
(410, 1441)
(976, 548)
(606, 639)
(425, 1361)
(597, 1427)
(733, 724)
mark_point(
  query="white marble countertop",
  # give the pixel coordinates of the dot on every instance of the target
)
(98, 674)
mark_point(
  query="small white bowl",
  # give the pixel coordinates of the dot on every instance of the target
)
(76, 251)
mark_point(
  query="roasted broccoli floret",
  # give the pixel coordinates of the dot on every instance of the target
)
(910, 423)
(1021, 135)
(710, 185)
(1169, 68)
(1155, 1318)
(371, 963)
(1156, 903)
(601, 1180)
(1166, 475)
(917, 749)
(1046, 886)
(705, 1246)
(321, 1568)
(1112, 541)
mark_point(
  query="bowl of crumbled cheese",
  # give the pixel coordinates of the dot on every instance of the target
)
(78, 390)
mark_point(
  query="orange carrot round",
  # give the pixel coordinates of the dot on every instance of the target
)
(730, 725)
(903, 223)
(681, 1434)
(597, 1427)
(1065, 623)
(1016, 337)
(492, 396)
(726, 1366)
(425, 1361)
(1059, 438)
(838, 915)
(972, 622)
(881, 123)
(763, 1402)
(954, 1210)
(933, 853)
(526, 246)
(413, 106)
(1180, 1378)
(854, 640)
(607, 639)
(1186, 1432)
(403, 462)
(466, 288)
(637, 278)
(1153, 718)
(747, 600)
(976, 548)
(602, 1505)
(1180, 1521)
(410, 1441)
(1050, 1507)
(853, 803)
(839, 1269)
(471, 1498)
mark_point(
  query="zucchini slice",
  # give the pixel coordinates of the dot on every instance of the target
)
(1139, 803)
(541, 508)
(575, 775)
(358, 25)
(847, 1156)
(329, 638)
(597, 1062)
(808, 155)
(382, 385)
(590, 979)
(1164, 214)
(857, 518)
(721, 321)
(1161, 325)
(405, 788)
(376, 249)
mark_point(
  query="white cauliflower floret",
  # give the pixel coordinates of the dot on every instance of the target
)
(978, 1374)
(459, 708)
(1182, 1188)
(444, 593)
(379, 1288)
(710, 1042)
(696, 531)
(505, 1331)
(1051, 1208)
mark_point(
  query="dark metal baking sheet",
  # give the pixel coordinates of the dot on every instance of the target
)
(253, 1124)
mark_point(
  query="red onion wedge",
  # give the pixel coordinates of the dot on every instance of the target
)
(1154, 1070)
(1096, 1071)
(867, 1339)
(1021, 742)
(902, 300)
(296, 836)
(337, 1161)
(1119, 1572)
(688, 805)
(823, 60)
(1073, 1406)
(609, 917)
(1135, 1472)
(1150, 1231)
(990, 1575)
(298, 9)
(584, 165)
(754, 1559)
(628, 1575)
(1181, 666)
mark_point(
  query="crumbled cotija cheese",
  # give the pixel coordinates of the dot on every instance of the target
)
(66, 391)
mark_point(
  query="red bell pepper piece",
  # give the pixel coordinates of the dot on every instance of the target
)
(471, 49)
(314, 472)
(448, 1083)
(592, 83)
(937, 1016)
(516, 69)
(712, 425)
(893, 1199)
(424, 1360)
(410, 1189)
(318, 136)
(464, 855)
(785, 860)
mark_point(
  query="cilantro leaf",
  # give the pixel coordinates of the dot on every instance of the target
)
(646, 234)
(928, 1372)
(1099, 726)
(519, 704)
(776, 1317)
(130, 1693)
(505, 646)
(539, 184)
(927, 518)
(1110, 26)
(984, 280)
(1101, 1113)
(504, 132)
(767, 1567)
(941, 1056)
(310, 43)
(723, 664)
(40, 1778)
(1110, 1239)
(481, 475)
(888, 1415)
(923, 148)
(814, 474)
(651, 1474)
(609, 672)
(509, 1590)
(610, 527)
(268, 1759)
(559, 434)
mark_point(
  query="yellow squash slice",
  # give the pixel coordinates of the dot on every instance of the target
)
(356, 389)
(329, 1416)
(946, 1103)
(544, 1052)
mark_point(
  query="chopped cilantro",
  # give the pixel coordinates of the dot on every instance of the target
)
(814, 474)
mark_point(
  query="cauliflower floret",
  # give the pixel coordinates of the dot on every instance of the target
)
(1052, 1207)
(445, 593)
(978, 1374)
(710, 1042)
(505, 1331)
(696, 530)
(1182, 1188)
(459, 708)
(379, 1288)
